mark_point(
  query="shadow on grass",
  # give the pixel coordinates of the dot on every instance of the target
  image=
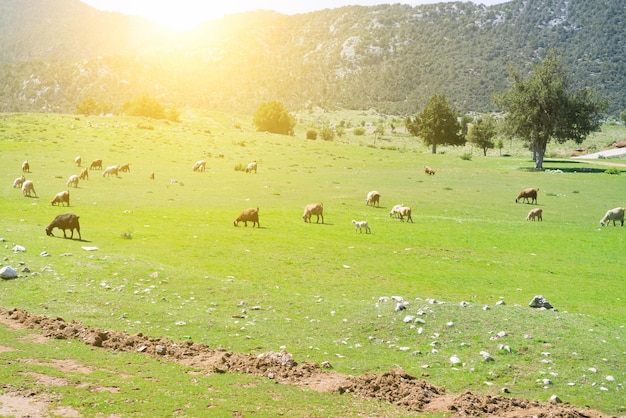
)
(566, 166)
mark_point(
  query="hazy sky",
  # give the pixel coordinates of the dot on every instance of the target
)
(185, 14)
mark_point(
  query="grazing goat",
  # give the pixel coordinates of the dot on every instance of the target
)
(111, 171)
(615, 214)
(251, 167)
(248, 215)
(65, 221)
(360, 225)
(78, 161)
(84, 174)
(125, 168)
(28, 187)
(151, 176)
(394, 211)
(96, 164)
(429, 170)
(535, 213)
(199, 166)
(25, 167)
(316, 209)
(527, 194)
(405, 211)
(373, 197)
(61, 197)
(17, 183)
(73, 180)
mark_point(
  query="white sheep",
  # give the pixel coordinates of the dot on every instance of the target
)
(72, 181)
(61, 197)
(111, 171)
(395, 211)
(535, 213)
(372, 198)
(251, 167)
(316, 209)
(360, 225)
(199, 166)
(615, 214)
(17, 183)
(28, 187)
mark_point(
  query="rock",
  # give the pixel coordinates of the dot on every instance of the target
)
(161, 350)
(455, 361)
(555, 399)
(540, 302)
(19, 248)
(8, 272)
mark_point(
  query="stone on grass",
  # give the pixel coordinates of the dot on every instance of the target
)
(540, 302)
(8, 272)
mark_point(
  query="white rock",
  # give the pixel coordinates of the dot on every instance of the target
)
(8, 272)
(610, 378)
(408, 318)
(455, 361)
(555, 399)
(450, 324)
(19, 248)
(397, 298)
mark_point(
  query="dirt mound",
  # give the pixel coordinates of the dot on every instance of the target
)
(395, 386)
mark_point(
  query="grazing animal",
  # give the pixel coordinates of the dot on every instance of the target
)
(360, 225)
(78, 161)
(25, 167)
(151, 176)
(65, 221)
(535, 213)
(96, 165)
(61, 197)
(429, 170)
(125, 168)
(251, 167)
(311, 209)
(394, 211)
(73, 180)
(199, 166)
(405, 211)
(18, 182)
(248, 215)
(111, 171)
(615, 214)
(373, 197)
(28, 187)
(84, 174)
(528, 194)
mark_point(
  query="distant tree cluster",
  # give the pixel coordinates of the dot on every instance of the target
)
(273, 117)
(150, 108)
(90, 106)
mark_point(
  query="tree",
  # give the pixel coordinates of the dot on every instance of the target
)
(541, 108)
(437, 124)
(272, 117)
(482, 132)
(144, 106)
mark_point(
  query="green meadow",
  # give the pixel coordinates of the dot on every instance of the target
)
(163, 258)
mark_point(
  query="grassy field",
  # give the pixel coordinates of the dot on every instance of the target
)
(169, 261)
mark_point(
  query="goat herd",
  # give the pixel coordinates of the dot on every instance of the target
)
(69, 221)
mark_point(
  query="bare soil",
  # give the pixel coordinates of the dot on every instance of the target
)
(395, 386)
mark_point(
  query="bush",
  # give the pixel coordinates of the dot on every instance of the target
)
(467, 156)
(359, 131)
(328, 134)
(311, 134)
(613, 170)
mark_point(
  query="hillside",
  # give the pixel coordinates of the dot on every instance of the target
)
(388, 57)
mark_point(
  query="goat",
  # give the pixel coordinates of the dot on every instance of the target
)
(199, 166)
(615, 214)
(527, 194)
(316, 209)
(360, 225)
(394, 211)
(373, 197)
(28, 187)
(25, 167)
(78, 161)
(65, 221)
(17, 183)
(111, 171)
(248, 215)
(73, 180)
(125, 168)
(405, 211)
(535, 213)
(96, 164)
(429, 170)
(84, 174)
(251, 167)
(61, 197)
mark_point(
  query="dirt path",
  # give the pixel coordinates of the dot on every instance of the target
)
(395, 386)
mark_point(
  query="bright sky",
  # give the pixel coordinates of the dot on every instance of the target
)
(186, 14)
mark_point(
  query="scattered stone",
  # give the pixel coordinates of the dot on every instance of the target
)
(610, 378)
(142, 348)
(547, 382)
(505, 390)
(486, 308)
(19, 249)
(44, 254)
(25, 270)
(540, 302)
(450, 324)
(86, 248)
(8, 272)
(400, 306)
(555, 399)
(161, 350)
(464, 304)
(455, 361)
(327, 365)
(408, 318)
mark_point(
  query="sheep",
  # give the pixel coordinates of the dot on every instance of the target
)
(394, 210)
(248, 215)
(535, 213)
(527, 194)
(25, 167)
(373, 197)
(360, 225)
(111, 170)
(251, 167)
(28, 187)
(61, 197)
(199, 166)
(78, 161)
(429, 170)
(405, 211)
(65, 221)
(73, 180)
(125, 168)
(17, 183)
(96, 164)
(316, 209)
(615, 214)
(84, 174)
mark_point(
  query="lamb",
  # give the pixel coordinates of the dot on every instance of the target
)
(394, 211)
(429, 170)
(535, 213)
(360, 225)
(615, 214)
(527, 194)
(248, 215)
(28, 187)
(373, 197)
(73, 180)
(316, 209)
(199, 166)
(96, 164)
(111, 170)
(61, 197)
(125, 168)
(78, 161)
(251, 167)
(18, 182)
(65, 221)
(25, 167)
(84, 174)
(405, 211)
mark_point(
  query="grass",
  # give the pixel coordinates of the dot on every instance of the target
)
(170, 263)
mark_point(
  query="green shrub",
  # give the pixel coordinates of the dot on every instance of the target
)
(311, 134)
(467, 156)
(328, 134)
(359, 131)
(613, 170)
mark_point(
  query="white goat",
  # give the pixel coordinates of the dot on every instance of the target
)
(111, 171)
(615, 214)
(61, 197)
(28, 187)
(373, 197)
(395, 211)
(360, 225)
(251, 167)
(72, 181)
(17, 183)
(535, 213)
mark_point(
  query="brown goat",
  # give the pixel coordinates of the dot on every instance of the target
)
(527, 194)
(248, 215)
